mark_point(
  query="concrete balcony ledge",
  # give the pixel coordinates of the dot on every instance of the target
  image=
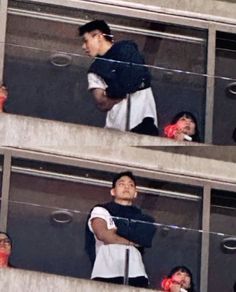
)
(16, 280)
(28, 132)
(211, 10)
(116, 149)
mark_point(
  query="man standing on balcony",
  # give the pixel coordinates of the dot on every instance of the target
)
(119, 80)
(116, 235)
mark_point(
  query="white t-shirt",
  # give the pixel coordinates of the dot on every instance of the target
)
(110, 258)
(142, 106)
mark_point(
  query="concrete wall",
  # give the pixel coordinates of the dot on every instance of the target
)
(217, 10)
(27, 132)
(15, 280)
(115, 147)
(210, 9)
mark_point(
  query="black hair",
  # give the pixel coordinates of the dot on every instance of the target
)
(7, 235)
(186, 270)
(235, 287)
(119, 175)
(195, 137)
(100, 25)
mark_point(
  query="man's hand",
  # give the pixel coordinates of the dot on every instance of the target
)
(108, 236)
(103, 102)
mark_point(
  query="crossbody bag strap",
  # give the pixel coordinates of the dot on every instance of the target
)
(128, 109)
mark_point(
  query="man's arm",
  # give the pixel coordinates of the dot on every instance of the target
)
(108, 236)
(142, 230)
(103, 102)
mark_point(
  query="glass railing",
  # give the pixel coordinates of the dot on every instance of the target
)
(47, 217)
(49, 84)
(52, 240)
(52, 84)
(48, 239)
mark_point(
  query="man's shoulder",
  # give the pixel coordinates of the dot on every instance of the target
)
(124, 47)
(125, 44)
(101, 205)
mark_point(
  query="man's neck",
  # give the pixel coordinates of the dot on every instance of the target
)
(105, 48)
(123, 202)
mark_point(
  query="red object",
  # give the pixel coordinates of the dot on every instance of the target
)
(166, 283)
(170, 131)
(4, 259)
(2, 101)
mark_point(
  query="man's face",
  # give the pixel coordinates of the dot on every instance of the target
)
(5, 244)
(92, 43)
(124, 190)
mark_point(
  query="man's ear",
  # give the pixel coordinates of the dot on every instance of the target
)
(112, 192)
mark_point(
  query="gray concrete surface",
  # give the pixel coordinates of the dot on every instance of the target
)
(114, 147)
(22, 131)
(218, 10)
(15, 280)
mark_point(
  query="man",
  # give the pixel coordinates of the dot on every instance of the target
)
(116, 235)
(119, 81)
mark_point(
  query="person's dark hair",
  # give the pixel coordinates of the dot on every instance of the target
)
(183, 269)
(235, 287)
(100, 25)
(7, 235)
(195, 137)
(119, 175)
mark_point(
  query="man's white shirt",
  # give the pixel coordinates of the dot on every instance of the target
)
(142, 105)
(110, 258)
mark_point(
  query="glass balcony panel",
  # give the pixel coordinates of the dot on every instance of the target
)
(37, 48)
(53, 239)
(176, 91)
(172, 246)
(39, 202)
(45, 180)
(48, 239)
(222, 256)
(222, 261)
(56, 247)
(224, 131)
(49, 84)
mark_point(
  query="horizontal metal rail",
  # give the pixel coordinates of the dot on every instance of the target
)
(100, 182)
(120, 28)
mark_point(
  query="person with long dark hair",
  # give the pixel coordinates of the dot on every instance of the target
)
(183, 127)
(180, 279)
